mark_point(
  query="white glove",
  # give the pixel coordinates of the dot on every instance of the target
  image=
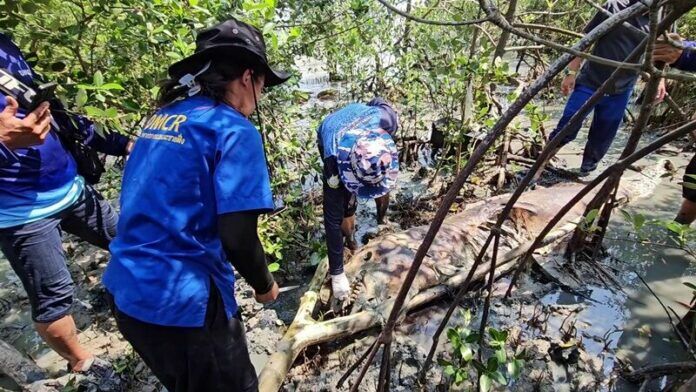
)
(340, 286)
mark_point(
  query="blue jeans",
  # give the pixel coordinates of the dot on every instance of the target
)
(608, 115)
(35, 252)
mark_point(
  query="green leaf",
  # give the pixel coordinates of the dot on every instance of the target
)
(111, 86)
(501, 355)
(466, 352)
(454, 338)
(460, 377)
(98, 79)
(513, 369)
(639, 221)
(472, 338)
(591, 216)
(273, 267)
(492, 364)
(449, 370)
(111, 112)
(485, 383)
(92, 111)
(80, 98)
(499, 378)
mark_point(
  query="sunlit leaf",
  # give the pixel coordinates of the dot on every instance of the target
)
(485, 383)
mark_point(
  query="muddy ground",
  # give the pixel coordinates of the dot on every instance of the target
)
(586, 320)
(540, 313)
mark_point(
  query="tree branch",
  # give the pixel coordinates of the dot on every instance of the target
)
(429, 21)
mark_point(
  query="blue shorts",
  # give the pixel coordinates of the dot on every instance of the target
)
(35, 252)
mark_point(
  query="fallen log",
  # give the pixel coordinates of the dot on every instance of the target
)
(379, 267)
(19, 368)
(24, 372)
(663, 369)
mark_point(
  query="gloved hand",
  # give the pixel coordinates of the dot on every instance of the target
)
(340, 286)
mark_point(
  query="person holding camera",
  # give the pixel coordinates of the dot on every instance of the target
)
(42, 195)
(193, 190)
(24, 132)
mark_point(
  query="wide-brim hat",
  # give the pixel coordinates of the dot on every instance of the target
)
(234, 39)
(368, 162)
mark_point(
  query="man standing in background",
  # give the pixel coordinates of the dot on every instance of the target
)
(582, 80)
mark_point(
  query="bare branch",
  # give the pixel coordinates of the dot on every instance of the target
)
(496, 18)
(536, 26)
(429, 21)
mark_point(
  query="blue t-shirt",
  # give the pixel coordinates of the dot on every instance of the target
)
(352, 114)
(195, 159)
(687, 60)
(39, 181)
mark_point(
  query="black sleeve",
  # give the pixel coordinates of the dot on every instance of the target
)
(334, 202)
(111, 144)
(596, 21)
(243, 248)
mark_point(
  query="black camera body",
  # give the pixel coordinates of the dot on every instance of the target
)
(29, 98)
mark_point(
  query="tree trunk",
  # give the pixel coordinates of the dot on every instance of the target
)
(505, 35)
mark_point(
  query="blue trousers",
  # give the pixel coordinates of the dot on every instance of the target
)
(35, 252)
(608, 114)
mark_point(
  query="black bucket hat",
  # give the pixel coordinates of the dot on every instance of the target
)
(232, 37)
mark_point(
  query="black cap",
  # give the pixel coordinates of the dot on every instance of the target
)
(237, 38)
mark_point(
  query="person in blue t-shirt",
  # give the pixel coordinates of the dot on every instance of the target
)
(360, 160)
(684, 59)
(193, 189)
(41, 196)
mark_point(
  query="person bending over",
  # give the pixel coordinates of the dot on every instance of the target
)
(360, 161)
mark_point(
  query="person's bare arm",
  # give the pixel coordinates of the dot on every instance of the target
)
(568, 83)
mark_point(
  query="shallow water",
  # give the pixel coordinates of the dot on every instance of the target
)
(646, 336)
(636, 327)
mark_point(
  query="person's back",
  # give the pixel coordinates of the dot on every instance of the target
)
(168, 225)
(193, 191)
(359, 160)
(355, 114)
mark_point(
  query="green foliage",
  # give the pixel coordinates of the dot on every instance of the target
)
(680, 236)
(588, 224)
(636, 220)
(500, 368)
